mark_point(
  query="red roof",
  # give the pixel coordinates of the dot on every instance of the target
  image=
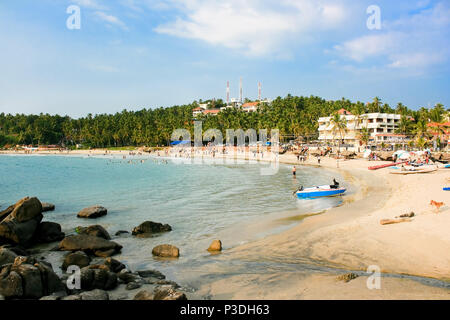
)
(343, 111)
(213, 111)
(390, 135)
(250, 104)
(197, 109)
(436, 124)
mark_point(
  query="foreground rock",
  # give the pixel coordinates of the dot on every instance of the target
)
(95, 230)
(92, 212)
(166, 251)
(96, 277)
(168, 293)
(47, 206)
(114, 265)
(90, 245)
(149, 228)
(347, 277)
(95, 294)
(28, 278)
(215, 246)
(78, 258)
(19, 222)
(7, 256)
(49, 232)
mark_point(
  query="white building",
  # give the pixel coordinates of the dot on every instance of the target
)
(380, 126)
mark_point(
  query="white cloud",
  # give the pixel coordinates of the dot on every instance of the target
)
(418, 41)
(254, 27)
(91, 4)
(110, 19)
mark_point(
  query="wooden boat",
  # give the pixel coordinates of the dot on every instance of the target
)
(386, 165)
(320, 191)
(412, 170)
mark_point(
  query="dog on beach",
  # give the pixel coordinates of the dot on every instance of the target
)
(436, 205)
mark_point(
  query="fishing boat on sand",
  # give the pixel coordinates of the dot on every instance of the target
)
(412, 170)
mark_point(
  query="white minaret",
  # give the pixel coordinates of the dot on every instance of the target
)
(259, 91)
(240, 90)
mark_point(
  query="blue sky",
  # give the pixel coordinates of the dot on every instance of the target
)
(150, 53)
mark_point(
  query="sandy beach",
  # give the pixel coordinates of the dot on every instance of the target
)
(351, 238)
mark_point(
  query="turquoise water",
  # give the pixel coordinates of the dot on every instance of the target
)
(201, 202)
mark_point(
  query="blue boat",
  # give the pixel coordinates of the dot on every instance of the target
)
(320, 191)
(447, 166)
(446, 189)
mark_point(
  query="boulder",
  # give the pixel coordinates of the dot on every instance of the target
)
(133, 285)
(151, 274)
(347, 277)
(18, 223)
(78, 258)
(95, 294)
(149, 228)
(72, 297)
(49, 232)
(92, 212)
(166, 251)
(97, 279)
(215, 246)
(126, 277)
(95, 230)
(47, 206)
(7, 256)
(29, 278)
(168, 293)
(143, 295)
(90, 245)
(114, 265)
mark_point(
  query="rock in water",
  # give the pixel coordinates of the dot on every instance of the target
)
(216, 245)
(90, 245)
(148, 228)
(95, 230)
(18, 223)
(78, 258)
(47, 206)
(114, 265)
(168, 293)
(143, 295)
(347, 277)
(166, 251)
(49, 232)
(92, 212)
(95, 294)
(151, 274)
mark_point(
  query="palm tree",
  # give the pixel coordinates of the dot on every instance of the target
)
(339, 126)
(364, 136)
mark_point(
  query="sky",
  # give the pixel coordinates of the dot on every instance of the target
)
(138, 54)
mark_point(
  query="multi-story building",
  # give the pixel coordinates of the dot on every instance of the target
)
(381, 126)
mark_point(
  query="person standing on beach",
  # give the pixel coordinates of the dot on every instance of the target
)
(318, 160)
(294, 171)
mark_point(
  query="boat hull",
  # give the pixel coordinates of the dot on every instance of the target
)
(320, 193)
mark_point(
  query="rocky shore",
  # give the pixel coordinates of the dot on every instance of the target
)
(88, 270)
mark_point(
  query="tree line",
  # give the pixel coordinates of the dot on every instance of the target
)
(292, 115)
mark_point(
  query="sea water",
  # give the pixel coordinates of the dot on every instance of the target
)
(201, 201)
